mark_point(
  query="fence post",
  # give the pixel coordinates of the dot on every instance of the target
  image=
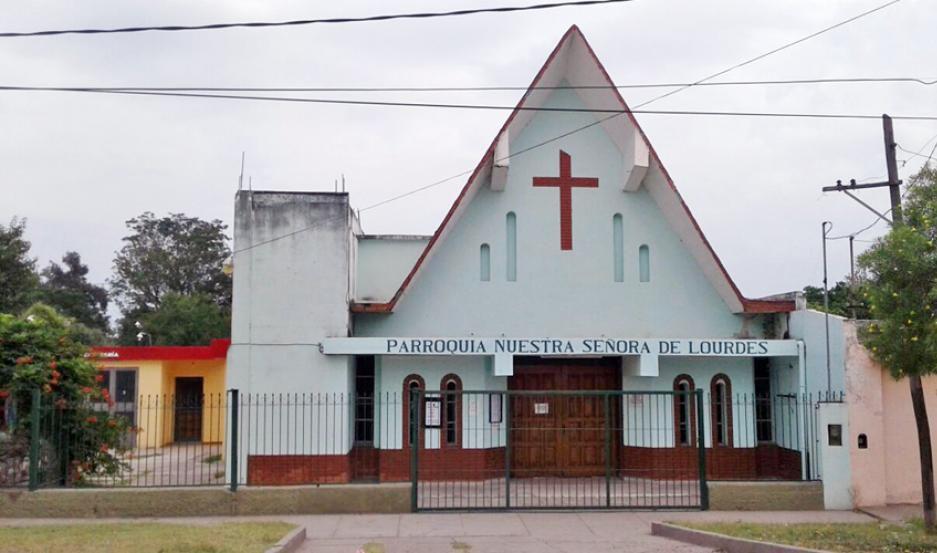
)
(413, 412)
(233, 452)
(34, 437)
(608, 450)
(701, 447)
(507, 450)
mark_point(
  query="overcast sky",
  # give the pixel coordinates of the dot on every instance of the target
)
(78, 166)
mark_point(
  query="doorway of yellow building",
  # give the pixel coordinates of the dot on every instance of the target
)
(188, 409)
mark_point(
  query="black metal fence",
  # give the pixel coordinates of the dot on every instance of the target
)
(460, 449)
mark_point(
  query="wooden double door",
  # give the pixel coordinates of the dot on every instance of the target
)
(563, 432)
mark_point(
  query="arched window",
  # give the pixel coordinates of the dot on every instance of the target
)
(411, 410)
(485, 262)
(511, 232)
(451, 386)
(720, 390)
(684, 411)
(644, 263)
(618, 245)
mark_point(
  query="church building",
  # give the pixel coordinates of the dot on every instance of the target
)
(567, 318)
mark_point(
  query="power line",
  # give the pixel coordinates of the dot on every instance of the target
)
(590, 125)
(298, 22)
(876, 221)
(774, 51)
(385, 103)
(491, 88)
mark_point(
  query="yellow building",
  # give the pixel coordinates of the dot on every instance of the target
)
(172, 394)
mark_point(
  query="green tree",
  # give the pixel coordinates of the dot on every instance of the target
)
(68, 290)
(901, 270)
(844, 300)
(42, 350)
(186, 321)
(18, 280)
(173, 255)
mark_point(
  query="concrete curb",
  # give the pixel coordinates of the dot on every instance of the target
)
(721, 542)
(290, 542)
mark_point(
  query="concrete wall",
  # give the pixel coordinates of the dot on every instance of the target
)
(293, 261)
(156, 381)
(213, 388)
(810, 326)
(180, 502)
(835, 458)
(383, 262)
(559, 293)
(889, 470)
(648, 421)
(475, 373)
(765, 496)
(291, 289)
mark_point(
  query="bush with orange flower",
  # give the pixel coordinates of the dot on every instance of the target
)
(40, 350)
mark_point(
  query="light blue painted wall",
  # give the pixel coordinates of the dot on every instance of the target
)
(560, 293)
(476, 374)
(649, 421)
(809, 326)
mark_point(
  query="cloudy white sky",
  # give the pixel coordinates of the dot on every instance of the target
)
(77, 166)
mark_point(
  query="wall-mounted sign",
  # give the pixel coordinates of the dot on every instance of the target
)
(541, 408)
(560, 346)
(432, 417)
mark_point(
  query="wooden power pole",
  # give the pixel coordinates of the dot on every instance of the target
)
(914, 380)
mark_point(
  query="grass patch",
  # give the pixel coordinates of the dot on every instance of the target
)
(869, 537)
(235, 537)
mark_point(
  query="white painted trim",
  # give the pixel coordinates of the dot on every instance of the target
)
(502, 162)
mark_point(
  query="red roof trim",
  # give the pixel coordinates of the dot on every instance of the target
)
(749, 306)
(217, 349)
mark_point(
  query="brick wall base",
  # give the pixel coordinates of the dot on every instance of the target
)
(764, 462)
(280, 470)
(384, 465)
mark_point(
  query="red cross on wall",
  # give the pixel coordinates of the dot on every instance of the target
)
(566, 182)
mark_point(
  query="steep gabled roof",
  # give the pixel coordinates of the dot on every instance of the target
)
(574, 61)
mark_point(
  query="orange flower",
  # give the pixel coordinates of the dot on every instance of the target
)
(53, 365)
(47, 388)
(99, 378)
(24, 360)
(87, 390)
(56, 374)
(112, 423)
(4, 394)
(92, 420)
(103, 448)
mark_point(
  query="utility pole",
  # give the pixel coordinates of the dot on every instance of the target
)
(825, 228)
(914, 380)
(852, 275)
(893, 183)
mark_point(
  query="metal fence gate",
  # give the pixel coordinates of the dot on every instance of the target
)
(541, 450)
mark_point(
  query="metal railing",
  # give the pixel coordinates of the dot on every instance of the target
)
(494, 448)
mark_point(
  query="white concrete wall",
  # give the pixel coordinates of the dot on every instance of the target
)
(836, 468)
(292, 284)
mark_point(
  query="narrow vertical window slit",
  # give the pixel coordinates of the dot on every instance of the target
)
(618, 252)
